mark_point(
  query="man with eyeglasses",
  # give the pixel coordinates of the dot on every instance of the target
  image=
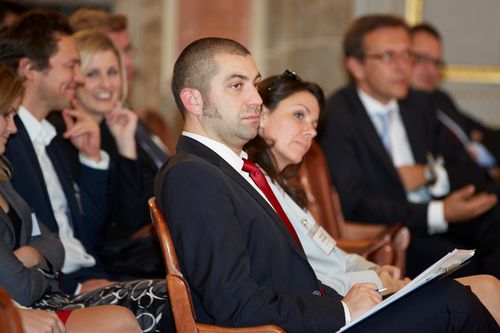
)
(480, 141)
(391, 160)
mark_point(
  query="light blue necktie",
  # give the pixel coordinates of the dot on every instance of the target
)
(384, 133)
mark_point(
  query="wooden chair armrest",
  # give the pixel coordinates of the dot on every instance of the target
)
(362, 231)
(369, 248)
(359, 230)
(397, 234)
(204, 328)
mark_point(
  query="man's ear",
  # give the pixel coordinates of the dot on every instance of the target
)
(355, 68)
(192, 101)
(26, 68)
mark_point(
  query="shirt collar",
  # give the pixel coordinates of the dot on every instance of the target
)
(226, 153)
(41, 132)
(374, 107)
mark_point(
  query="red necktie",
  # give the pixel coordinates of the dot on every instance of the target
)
(260, 180)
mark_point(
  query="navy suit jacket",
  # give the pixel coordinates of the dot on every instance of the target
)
(85, 190)
(241, 263)
(369, 186)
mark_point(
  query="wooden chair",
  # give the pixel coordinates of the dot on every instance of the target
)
(10, 321)
(178, 289)
(379, 243)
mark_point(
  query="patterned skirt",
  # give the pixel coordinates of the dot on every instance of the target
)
(147, 299)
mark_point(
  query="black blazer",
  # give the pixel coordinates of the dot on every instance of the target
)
(368, 183)
(85, 190)
(242, 265)
(131, 184)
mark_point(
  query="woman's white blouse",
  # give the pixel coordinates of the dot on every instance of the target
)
(337, 269)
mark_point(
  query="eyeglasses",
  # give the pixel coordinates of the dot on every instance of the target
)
(390, 57)
(288, 73)
(425, 59)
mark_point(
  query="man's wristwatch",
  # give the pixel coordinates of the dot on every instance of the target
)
(429, 175)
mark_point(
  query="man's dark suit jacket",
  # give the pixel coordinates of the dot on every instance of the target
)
(242, 264)
(491, 137)
(368, 183)
(85, 190)
(244, 268)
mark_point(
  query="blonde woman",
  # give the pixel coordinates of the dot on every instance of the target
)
(129, 248)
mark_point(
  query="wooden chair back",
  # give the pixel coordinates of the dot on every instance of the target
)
(10, 321)
(178, 288)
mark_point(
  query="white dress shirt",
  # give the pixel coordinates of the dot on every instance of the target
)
(402, 154)
(41, 134)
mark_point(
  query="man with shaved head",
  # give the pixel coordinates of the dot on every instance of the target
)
(241, 262)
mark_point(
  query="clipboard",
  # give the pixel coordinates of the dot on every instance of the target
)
(440, 269)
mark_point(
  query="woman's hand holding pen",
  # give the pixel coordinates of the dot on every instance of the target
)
(391, 279)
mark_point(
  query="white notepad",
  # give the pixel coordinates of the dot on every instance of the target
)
(446, 265)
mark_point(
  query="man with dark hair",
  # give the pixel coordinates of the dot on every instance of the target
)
(480, 141)
(243, 266)
(391, 161)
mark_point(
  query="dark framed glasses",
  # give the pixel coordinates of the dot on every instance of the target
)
(425, 59)
(288, 73)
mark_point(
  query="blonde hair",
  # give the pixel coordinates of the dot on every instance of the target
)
(90, 42)
(97, 19)
(11, 87)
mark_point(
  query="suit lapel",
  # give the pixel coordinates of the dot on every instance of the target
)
(14, 199)
(30, 152)
(194, 147)
(68, 184)
(33, 179)
(4, 219)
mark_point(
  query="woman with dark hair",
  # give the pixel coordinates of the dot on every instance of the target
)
(290, 114)
(31, 255)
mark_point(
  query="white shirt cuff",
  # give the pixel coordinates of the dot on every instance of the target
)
(103, 164)
(442, 185)
(436, 224)
(78, 289)
(347, 314)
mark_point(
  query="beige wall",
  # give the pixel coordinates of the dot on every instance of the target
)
(304, 35)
